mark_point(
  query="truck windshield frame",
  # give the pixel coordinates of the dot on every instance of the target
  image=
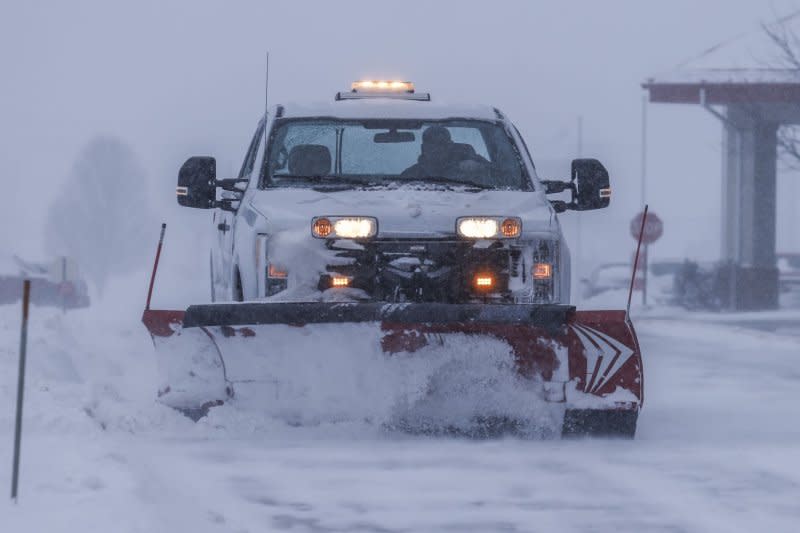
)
(313, 152)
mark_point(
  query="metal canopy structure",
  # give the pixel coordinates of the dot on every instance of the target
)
(752, 102)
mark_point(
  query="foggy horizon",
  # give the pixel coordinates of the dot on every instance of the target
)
(178, 80)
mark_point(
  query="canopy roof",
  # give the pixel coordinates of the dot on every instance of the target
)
(748, 68)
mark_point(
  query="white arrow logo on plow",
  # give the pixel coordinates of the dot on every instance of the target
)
(604, 356)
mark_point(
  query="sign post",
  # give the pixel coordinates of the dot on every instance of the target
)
(23, 341)
(651, 229)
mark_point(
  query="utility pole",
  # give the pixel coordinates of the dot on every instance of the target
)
(643, 200)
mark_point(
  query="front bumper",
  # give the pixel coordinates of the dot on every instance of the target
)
(405, 270)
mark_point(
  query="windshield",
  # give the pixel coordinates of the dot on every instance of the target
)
(380, 152)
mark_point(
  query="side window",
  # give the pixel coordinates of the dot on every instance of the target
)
(250, 156)
(297, 135)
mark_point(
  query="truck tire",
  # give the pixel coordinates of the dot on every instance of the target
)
(238, 292)
(619, 423)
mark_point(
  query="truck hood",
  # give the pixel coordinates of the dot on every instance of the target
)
(401, 213)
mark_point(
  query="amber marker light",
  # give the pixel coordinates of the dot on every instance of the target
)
(340, 281)
(511, 227)
(322, 227)
(275, 272)
(542, 271)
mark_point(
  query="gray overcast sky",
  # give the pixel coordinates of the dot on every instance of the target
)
(179, 78)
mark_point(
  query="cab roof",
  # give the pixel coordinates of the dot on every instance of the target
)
(390, 108)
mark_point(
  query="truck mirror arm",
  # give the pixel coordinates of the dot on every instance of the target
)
(228, 204)
(235, 188)
(555, 187)
(232, 184)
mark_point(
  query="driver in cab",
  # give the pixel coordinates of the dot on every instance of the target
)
(441, 157)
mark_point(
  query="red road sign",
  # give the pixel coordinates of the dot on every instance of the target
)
(653, 228)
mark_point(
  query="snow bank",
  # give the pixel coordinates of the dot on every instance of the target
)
(716, 448)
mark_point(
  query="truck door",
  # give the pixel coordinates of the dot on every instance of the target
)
(222, 262)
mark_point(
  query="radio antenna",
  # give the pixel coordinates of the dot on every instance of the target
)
(266, 105)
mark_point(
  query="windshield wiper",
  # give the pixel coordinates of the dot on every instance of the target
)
(449, 181)
(328, 180)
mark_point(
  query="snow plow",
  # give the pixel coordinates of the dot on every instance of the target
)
(586, 362)
(407, 253)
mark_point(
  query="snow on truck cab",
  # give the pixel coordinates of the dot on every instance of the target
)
(386, 223)
(383, 195)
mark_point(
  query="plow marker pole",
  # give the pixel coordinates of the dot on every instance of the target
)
(26, 294)
(155, 265)
(636, 265)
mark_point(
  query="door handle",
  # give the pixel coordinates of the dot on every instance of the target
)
(223, 227)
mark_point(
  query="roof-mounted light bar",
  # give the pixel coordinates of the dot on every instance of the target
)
(403, 90)
(382, 86)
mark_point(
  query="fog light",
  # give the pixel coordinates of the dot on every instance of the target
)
(340, 281)
(483, 282)
(542, 271)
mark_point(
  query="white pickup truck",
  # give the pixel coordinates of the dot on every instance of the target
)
(384, 195)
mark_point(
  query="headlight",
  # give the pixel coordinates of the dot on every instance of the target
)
(344, 227)
(489, 227)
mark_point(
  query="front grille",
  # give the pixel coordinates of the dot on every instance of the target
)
(428, 270)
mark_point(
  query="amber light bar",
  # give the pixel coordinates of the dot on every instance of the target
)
(383, 85)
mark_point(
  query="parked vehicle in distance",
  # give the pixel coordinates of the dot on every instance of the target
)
(606, 277)
(615, 276)
(788, 270)
(56, 283)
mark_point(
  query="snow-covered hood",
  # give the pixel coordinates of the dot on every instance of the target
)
(404, 212)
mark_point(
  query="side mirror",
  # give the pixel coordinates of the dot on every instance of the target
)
(197, 183)
(589, 185)
(593, 185)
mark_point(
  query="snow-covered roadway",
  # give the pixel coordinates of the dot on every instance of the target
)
(718, 449)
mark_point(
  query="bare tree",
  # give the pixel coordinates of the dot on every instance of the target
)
(101, 216)
(787, 57)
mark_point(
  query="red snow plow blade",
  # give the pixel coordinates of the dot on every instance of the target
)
(587, 362)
